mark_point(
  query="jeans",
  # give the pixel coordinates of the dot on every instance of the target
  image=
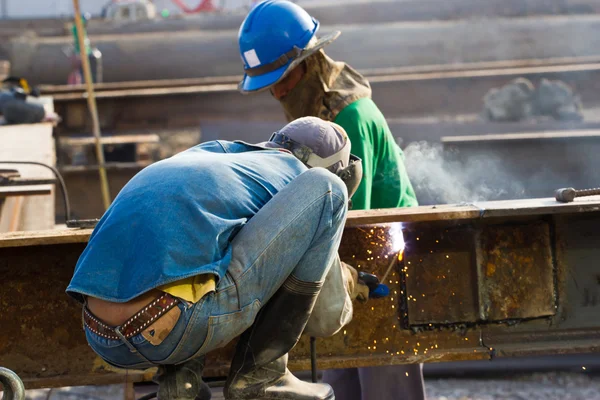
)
(296, 233)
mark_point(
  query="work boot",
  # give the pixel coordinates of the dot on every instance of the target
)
(259, 367)
(183, 381)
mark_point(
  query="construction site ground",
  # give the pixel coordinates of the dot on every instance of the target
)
(537, 386)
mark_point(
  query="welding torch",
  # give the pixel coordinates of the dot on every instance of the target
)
(377, 289)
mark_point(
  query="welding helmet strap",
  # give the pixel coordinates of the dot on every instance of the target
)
(351, 175)
(307, 155)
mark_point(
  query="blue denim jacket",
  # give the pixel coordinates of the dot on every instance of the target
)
(175, 218)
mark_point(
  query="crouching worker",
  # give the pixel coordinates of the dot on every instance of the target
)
(222, 240)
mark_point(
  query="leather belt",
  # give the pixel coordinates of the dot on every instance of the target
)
(134, 325)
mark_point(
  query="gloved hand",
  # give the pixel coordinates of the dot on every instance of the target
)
(377, 289)
(363, 286)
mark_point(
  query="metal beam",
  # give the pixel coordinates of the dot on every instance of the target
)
(477, 281)
(175, 103)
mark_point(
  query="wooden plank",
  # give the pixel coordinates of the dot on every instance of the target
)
(37, 190)
(158, 83)
(496, 209)
(109, 166)
(32, 142)
(4, 69)
(383, 76)
(552, 69)
(89, 379)
(370, 72)
(27, 182)
(572, 134)
(129, 390)
(146, 92)
(412, 214)
(490, 209)
(10, 214)
(46, 237)
(117, 139)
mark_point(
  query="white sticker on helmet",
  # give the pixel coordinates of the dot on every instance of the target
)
(251, 58)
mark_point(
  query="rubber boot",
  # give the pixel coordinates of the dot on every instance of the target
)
(259, 367)
(183, 381)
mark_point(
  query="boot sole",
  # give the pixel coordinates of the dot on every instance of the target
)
(272, 398)
(332, 397)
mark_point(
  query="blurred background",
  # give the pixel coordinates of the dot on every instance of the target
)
(489, 99)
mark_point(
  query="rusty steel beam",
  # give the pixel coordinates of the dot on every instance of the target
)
(365, 12)
(537, 164)
(173, 104)
(159, 56)
(74, 92)
(477, 281)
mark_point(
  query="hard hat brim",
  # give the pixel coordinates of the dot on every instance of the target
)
(250, 84)
(254, 84)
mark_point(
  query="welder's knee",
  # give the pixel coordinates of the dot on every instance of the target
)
(322, 179)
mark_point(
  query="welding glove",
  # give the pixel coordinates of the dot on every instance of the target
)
(333, 308)
(376, 289)
(363, 286)
(357, 287)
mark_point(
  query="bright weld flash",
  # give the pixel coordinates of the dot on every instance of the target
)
(396, 246)
(397, 242)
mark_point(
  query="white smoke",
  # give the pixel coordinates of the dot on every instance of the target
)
(439, 177)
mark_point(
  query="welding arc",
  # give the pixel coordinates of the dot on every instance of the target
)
(390, 267)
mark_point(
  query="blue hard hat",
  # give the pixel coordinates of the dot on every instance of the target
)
(274, 38)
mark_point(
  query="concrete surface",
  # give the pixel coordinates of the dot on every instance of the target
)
(547, 386)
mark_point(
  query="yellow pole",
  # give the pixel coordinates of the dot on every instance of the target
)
(91, 99)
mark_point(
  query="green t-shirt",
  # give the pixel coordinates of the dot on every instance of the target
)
(385, 183)
(86, 40)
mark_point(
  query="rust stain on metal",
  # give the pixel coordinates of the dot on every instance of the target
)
(578, 270)
(440, 275)
(490, 269)
(517, 280)
(41, 327)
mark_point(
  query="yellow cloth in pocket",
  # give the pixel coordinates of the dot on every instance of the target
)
(191, 289)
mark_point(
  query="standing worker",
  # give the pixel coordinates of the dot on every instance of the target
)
(94, 56)
(221, 240)
(281, 53)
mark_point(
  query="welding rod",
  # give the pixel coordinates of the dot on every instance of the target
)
(390, 267)
(567, 195)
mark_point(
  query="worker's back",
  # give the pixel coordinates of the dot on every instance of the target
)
(175, 218)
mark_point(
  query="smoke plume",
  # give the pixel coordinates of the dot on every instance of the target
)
(440, 177)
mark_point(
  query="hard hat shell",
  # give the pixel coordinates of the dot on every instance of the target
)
(273, 39)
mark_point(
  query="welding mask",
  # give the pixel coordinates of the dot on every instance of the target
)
(350, 173)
